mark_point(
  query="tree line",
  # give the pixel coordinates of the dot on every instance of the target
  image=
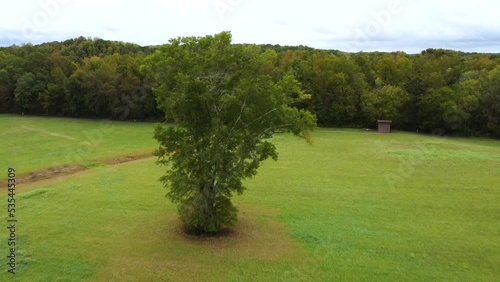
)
(82, 77)
(449, 91)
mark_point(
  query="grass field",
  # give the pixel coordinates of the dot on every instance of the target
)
(355, 206)
(33, 143)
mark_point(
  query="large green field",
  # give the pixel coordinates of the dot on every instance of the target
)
(354, 206)
(33, 143)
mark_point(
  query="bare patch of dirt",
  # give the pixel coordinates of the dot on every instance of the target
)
(126, 159)
(49, 173)
(263, 239)
(59, 171)
(164, 252)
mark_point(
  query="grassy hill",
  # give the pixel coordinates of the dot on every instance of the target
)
(355, 205)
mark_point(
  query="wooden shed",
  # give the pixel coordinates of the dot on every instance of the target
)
(384, 126)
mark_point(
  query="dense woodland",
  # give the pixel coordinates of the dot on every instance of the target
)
(437, 90)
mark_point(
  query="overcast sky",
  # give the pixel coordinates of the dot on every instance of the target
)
(355, 25)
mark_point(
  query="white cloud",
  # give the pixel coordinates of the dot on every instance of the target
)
(345, 25)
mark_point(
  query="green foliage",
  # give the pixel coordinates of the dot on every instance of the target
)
(29, 87)
(228, 101)
(491, 101)
(437, 105)
(385, 103)
(78, 78)
(53, 97)
(337, 85)
(96, 78)
(394, 69)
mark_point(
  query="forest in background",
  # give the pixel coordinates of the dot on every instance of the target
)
(452, 92)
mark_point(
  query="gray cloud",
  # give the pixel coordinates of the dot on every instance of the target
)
(445, 35)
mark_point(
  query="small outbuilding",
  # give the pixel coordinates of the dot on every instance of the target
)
(384, 126)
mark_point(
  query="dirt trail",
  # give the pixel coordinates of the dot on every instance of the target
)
(53, 172)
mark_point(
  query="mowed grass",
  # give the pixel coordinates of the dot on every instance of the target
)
(114, 224)
(355, 206)
(33, 143)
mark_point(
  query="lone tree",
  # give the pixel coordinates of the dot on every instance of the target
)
(226, 101)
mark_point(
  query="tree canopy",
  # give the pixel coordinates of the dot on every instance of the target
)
(81, 77)
(227, 101)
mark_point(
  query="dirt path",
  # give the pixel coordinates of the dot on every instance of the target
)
(58, 171)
